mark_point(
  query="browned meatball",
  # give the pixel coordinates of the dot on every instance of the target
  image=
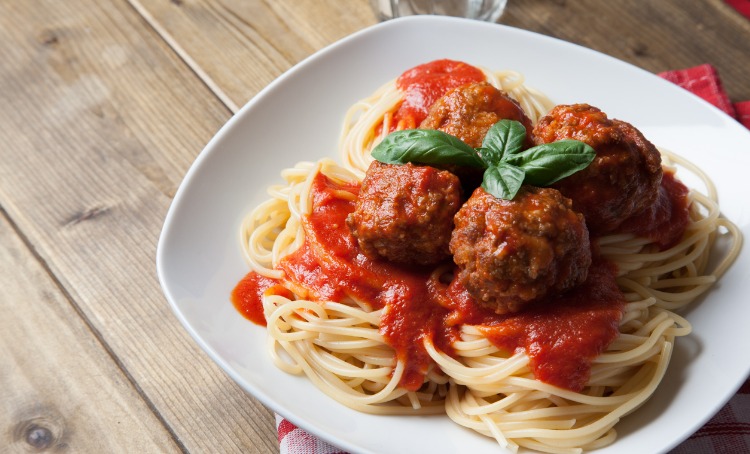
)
(513, 252)
(404, 213)
(469, 111)
(624, 178)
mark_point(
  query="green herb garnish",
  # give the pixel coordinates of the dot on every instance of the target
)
(507, 166)
(426, 146)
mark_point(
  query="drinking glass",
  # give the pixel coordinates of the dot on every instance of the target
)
(487, 10)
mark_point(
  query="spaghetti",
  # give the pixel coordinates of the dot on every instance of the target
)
(330, 323)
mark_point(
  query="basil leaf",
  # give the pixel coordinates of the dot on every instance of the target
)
(503, 180)
(504, 138)
(506, 166)
(425, 146)
(548, 163)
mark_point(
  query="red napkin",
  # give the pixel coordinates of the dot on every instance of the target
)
(742, 6)
(703, 80)
(729, 430)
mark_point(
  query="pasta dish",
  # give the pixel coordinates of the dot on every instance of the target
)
(480, 252)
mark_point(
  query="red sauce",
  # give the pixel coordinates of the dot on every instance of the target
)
(665, 222)
(247, 296)
(558, 334)
(330, 266)
(561, 335)
(425, 84)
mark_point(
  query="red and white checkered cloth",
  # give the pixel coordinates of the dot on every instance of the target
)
(703, 80)
(729, 430)
(293, 440)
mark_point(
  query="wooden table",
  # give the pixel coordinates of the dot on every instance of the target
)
(103, 107)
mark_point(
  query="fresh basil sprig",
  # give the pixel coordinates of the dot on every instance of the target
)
(507, 165)
(425, 146)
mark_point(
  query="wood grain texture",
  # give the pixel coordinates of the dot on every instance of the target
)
(100, 122)
(656, 36)
(61, 390)
(240, 47)
(227, 40)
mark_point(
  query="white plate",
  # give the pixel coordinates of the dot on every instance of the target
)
(298, 117)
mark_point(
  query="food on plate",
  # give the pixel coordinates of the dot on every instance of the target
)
(509, 253)
(624, 178)
(482, 253)
(468, 112)
(404, 213)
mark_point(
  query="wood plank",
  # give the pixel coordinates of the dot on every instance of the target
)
(226, 39)
(100, 122)
(655, 36)
(61, 388)
(240, 47)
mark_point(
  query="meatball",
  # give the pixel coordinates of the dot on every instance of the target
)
(404, 213)
(510, 253)
(469, 111)
(624, 178)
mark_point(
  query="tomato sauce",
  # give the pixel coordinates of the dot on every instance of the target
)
(425, 84)
(561, 335)
(665, 222)
(330, 266)
(247, 296)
